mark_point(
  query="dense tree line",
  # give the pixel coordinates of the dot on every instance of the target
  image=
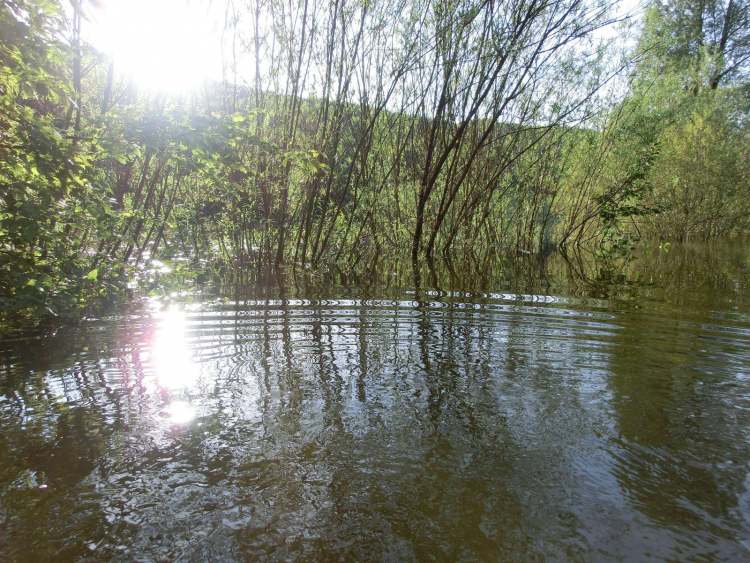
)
(349, 133)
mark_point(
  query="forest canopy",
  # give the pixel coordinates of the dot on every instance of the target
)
(351, 133)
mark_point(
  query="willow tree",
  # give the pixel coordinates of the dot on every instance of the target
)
(711, 38)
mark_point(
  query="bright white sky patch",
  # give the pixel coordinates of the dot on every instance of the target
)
(174, 46)
(170, 46)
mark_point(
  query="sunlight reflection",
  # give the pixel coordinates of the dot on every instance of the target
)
(180, 412)
(170, 352)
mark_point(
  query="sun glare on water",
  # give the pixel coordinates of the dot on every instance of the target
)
(163, 46)
(172, 361)
(171, 354)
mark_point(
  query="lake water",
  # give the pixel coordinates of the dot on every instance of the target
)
(557, 411)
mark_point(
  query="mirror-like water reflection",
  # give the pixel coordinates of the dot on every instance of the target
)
(409, 425)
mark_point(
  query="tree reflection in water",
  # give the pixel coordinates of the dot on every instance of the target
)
(398, 423)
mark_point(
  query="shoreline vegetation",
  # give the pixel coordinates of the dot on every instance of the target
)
(367, 132)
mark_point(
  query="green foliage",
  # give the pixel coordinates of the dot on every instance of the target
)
(702, 177)
(98, 182)
(685, 136)
(42, 169)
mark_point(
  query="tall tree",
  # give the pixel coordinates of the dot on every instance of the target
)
(712, 36)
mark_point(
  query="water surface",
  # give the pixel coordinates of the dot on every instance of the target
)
(561, 416)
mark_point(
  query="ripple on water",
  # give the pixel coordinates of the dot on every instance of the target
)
(438, 424)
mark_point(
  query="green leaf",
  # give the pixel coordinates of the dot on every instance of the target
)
(93, 275)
